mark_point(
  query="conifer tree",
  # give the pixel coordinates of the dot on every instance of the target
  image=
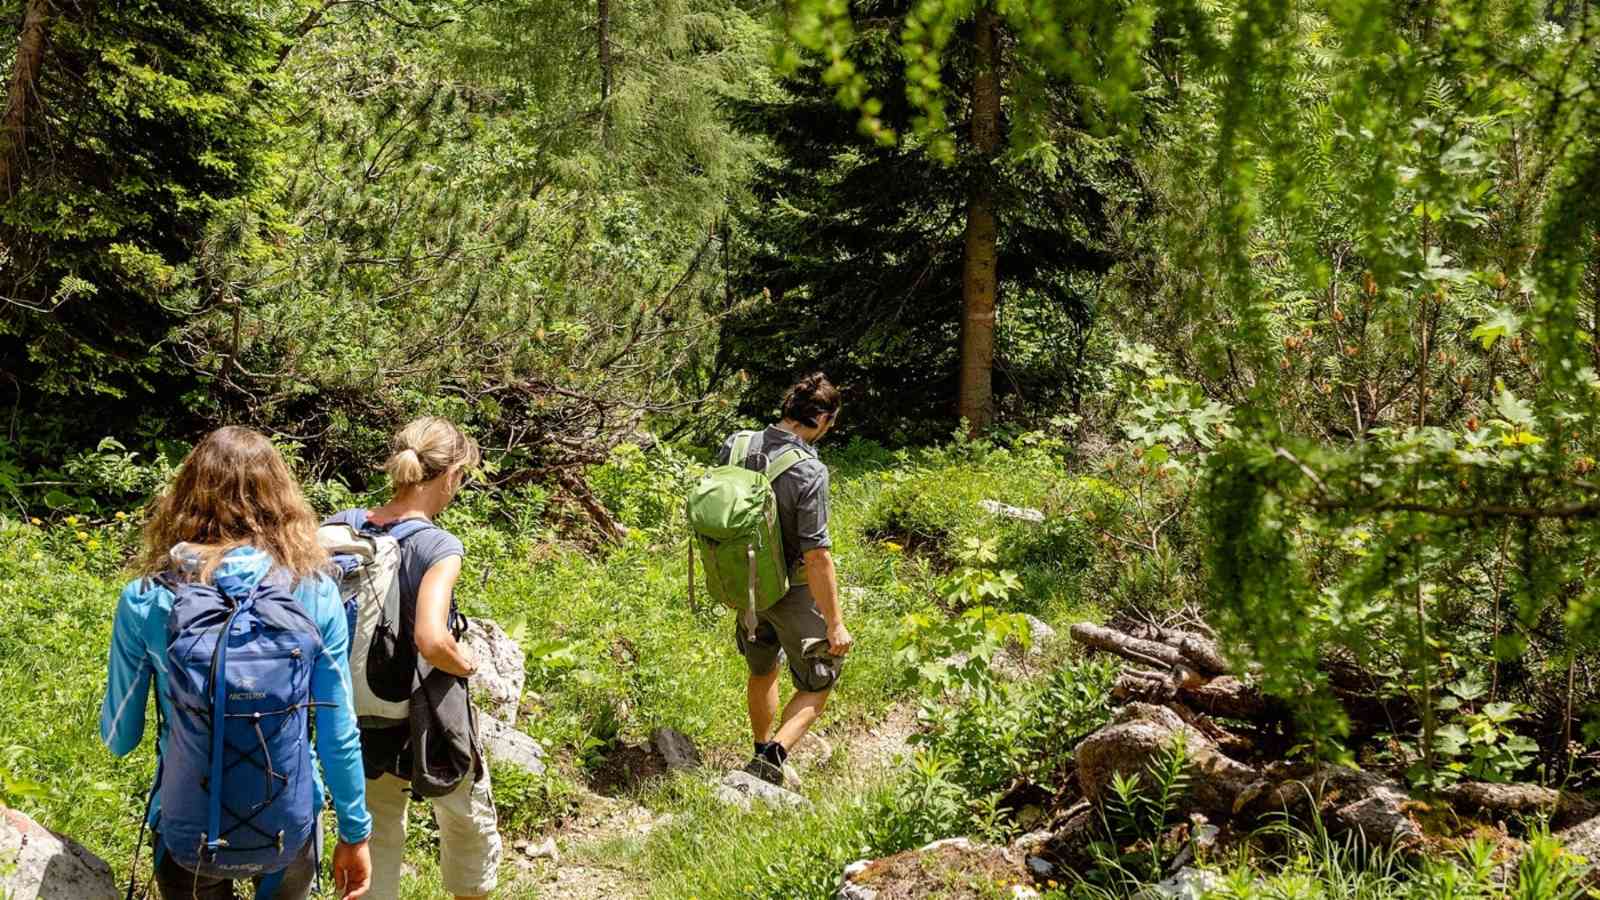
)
(886, 262)
(127, 128)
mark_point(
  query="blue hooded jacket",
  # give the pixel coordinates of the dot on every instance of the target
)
(139, 650)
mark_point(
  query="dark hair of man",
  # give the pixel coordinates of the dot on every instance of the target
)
(810, 397)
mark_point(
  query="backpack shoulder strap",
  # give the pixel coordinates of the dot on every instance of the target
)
(404, 529)
(785, 461)
(741, 447)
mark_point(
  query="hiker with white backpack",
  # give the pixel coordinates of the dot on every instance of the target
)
(418, 728)
(235, 621)
(760, 530)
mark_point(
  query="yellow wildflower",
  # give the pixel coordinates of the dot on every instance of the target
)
(121, 515)
(72, 520)
(892, 546)
(83, 535)
(36, 521)
(94, 544)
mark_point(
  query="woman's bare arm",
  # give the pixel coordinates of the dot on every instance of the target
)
(434, 640)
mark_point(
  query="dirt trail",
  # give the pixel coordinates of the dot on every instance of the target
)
(867, 748)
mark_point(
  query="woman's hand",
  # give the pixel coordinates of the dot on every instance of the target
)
(352, 870)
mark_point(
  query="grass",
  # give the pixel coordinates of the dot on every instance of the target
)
(612, 648)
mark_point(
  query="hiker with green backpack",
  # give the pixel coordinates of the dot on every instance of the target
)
(760, 532)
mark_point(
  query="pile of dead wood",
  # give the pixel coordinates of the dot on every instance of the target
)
(1181, 690)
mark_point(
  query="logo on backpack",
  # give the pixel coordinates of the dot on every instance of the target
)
(733, 517)
(236, 782)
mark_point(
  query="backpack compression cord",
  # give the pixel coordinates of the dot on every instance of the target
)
(239, 677)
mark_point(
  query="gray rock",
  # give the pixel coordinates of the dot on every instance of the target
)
(497, 687)
(1041, 868)
(546, 850)
(1014, 661)
(1583, 840)
(508, 746)
(38, 864)
(1020, 513)
(676, 748)
(740, 788)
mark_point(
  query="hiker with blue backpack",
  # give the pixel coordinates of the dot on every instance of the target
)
(418, 727)
(235, 620)
(760, 528)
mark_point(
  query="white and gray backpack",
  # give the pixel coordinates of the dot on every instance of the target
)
(382, 649)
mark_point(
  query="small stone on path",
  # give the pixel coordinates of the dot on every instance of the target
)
(739, 788)
(546, 850)
(676, 749)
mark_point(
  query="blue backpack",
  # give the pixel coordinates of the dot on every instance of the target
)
(237, 796)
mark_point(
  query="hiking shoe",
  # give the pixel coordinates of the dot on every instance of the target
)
(765, 771)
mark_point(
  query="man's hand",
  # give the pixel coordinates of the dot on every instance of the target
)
(352, 870)
(839, 639)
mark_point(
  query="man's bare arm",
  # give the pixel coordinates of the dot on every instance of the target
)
(824, 582)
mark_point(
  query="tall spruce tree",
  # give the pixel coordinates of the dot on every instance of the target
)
(127, 128)
(886, 263)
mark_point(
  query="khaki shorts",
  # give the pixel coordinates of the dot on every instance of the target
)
(469, 837)
(784, 630)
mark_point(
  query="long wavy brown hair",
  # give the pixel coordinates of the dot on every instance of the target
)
(233, 490)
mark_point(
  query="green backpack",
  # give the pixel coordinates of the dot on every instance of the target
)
(733, 517)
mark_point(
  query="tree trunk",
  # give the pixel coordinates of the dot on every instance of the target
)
(979, 284)
(603, 28)
(23, 94)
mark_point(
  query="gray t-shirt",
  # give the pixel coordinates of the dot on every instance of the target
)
(802, 491)
(418, 553)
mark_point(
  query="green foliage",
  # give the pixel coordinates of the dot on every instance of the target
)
(1480, 743)
(645, 489)
(1018, 732)
(867, 238)
(142, 128)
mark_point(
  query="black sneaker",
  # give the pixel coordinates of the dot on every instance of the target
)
(765, 771)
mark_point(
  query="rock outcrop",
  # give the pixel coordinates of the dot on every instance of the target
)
(1006, 511)
(497, 688)
(38, 864)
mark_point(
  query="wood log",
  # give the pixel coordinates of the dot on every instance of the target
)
(1200, 650)
(1216, 692)
(1147, 653)
(1230, 698)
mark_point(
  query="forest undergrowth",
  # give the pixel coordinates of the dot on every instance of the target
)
(934, 582)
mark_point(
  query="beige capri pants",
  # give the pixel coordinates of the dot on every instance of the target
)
(469, 836)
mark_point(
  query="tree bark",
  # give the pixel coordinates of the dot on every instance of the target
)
(979, 283)
(22, 95)
(603, 28)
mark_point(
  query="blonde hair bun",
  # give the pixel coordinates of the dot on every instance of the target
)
(427, 448)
